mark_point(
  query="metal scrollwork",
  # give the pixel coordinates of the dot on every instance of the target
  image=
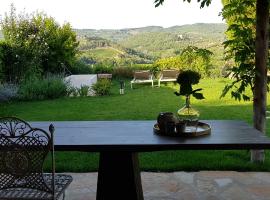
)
(16, 158)
(23, 150)
(13, 127)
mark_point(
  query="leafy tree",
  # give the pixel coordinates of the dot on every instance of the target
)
(197, 59)
(248, 45)
(191, 58)
(240, 45)
(40, 45)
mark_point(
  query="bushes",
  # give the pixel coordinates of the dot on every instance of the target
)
(8, 92)
(123, 72)
(83, 91)
(40, 89)
(102, 87)
(35, 44)
(100, 68)
(80, 67)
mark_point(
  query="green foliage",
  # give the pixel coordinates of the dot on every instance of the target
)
(186, 79)
(122, 72)
(105, 67)
(72, 91)
(36, 45)
(197, 59)
(39, 89)
(1, 62)
(203, 2)
(240, 46)
(8, 92)
(102, 87)
(80, 67)
(83, 91)
(191, 58)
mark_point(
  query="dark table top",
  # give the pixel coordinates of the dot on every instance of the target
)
(137, 136)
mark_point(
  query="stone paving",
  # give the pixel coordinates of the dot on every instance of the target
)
(204, 185)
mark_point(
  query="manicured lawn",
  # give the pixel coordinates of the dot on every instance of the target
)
(145, 103)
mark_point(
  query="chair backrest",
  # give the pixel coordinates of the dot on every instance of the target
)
(23, 150)
(142, 75)
(170, 73)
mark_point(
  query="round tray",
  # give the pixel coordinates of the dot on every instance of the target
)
(190, 131)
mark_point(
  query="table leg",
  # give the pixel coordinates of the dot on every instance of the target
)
(119, 176)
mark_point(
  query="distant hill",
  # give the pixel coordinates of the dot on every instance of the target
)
(210, 29)
(146, 44)
(158, 42)
(98, 49)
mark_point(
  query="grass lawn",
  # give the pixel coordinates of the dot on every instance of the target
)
(144, 103)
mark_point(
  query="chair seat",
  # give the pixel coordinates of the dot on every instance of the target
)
(61, 183)
(142, 76)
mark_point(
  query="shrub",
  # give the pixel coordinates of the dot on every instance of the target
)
(83, 91)
(102, 87)
(142, 66)
(79, 67)
(39, 89)
(101, 68)
(72, 91)
(8, 92)
(123, 72)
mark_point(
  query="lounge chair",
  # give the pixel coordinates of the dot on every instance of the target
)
(144, 76)
(168, 75)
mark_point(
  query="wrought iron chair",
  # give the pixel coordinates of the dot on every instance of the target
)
(23, 150)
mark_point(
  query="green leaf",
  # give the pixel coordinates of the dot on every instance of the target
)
(245, 97)
(194, 91)
(177, 93)
(198, 95)
(158, 2)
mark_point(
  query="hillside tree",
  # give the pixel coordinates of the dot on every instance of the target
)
(191, 57)
(39, 45)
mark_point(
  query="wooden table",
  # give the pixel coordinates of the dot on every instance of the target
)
(119, 142)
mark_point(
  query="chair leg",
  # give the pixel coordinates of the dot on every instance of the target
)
(131, 85)
(152, 83)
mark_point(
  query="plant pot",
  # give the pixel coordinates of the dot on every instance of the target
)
(188, 115)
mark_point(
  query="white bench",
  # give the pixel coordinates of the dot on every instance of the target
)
(142, 76)
(168, 75)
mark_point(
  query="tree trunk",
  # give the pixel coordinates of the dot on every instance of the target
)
(260, 84)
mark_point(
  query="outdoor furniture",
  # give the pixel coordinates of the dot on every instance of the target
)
(168, 75)
(120, 141)
(142, 76)
(23, 150)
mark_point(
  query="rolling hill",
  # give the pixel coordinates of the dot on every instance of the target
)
(155, 42)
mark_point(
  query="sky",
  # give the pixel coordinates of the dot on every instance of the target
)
(118, 14)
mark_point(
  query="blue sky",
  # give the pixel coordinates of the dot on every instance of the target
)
(115, 14)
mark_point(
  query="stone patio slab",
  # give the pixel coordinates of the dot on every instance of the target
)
(205, 185)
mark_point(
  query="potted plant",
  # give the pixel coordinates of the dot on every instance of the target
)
(186, 79)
